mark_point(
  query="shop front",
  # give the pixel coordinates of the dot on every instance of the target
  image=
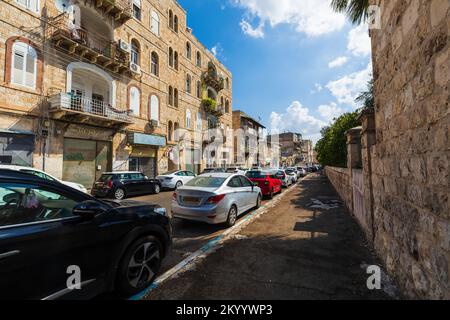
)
(16, 147)
(144, 153)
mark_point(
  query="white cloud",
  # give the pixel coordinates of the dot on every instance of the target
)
(359, 43)
(312, 17)
(247, 28)
(350, 86)
(338, 62)
(217, 51)
(297, 119)
(330, 111)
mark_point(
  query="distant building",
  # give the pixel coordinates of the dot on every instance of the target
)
(290, 148)
(307, 152)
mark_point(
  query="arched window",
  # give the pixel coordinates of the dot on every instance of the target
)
(154, 24)
(199, 59)
(170, 131)
(227, 106)
(170, 57)
(135, 101)
(199, 89)
(154, 108)
(175, 97)
(170, 19)
(222, 103)
(188, 118)
(199, 121)
(176, 126)
(24, 65)
(137, 9)
(135, 52)
(170, 96)
(228, 83)
(188, 50)
(188, 83)
(175, 23)
(155, 64)
(175, 60)
(32, 5)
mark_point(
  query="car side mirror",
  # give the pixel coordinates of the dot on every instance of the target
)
(88, 209)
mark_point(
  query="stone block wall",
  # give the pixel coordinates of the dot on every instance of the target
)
(341, 181)
(410, 161)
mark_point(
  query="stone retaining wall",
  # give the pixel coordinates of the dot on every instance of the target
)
(340, 179)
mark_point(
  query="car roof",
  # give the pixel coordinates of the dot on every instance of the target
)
(14, 167)
(218, 175)
(121, 172)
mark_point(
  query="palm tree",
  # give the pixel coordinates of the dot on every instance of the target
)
(367, 97)
(356, 10)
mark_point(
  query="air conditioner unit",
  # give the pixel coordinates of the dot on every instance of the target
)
(124, 46)
(154, 123)
(135, 68)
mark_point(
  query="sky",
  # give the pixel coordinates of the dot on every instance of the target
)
(296, 64)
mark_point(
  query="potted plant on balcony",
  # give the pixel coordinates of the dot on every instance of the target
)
(209, 105)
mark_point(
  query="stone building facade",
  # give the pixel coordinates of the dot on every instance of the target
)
(93, 86)
(401, 196)
(290, 148)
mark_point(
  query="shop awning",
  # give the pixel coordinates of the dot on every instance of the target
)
(146, 139)
(8, 131)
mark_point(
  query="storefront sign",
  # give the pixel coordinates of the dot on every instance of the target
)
(84, 132)
(146, 139)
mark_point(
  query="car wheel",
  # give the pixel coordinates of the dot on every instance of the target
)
(232, 216)
(258, 201)
(156, 189)
(119, 194)
(139, 266)
(179, 184)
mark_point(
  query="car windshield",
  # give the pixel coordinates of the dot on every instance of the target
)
(206, 182)
(256, 174)
(168, 173)
(105, 177)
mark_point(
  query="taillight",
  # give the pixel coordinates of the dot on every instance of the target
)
(174, 196)
(110, 184)
(215, 199)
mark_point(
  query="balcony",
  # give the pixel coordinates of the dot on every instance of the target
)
(84, 44)
(210, 107)
(212, 79)
(121, 10)
(66, 106)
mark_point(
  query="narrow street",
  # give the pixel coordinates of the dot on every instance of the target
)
(307, 247)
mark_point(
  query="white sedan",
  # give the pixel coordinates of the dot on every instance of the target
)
(175, 179)
(44, 175)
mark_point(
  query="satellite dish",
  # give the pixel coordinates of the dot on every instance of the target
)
(63, 5)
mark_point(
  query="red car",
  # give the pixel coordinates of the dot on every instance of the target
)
(267, 181)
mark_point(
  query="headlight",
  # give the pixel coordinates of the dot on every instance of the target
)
(161, 211)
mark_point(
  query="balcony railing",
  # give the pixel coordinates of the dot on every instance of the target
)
(86, 44)
(74, 104)
(121, 10)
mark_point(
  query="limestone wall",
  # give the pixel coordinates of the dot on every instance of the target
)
(340, 179)
(410, 164)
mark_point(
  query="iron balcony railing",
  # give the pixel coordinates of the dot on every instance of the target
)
(71, 102)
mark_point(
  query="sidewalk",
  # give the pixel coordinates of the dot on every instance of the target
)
(307, 247)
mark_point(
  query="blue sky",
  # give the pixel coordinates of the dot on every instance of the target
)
(295, 63)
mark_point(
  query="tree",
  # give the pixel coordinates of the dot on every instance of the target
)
(367, 97)
(356, 10)
(332, 147)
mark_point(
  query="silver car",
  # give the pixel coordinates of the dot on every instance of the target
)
(216, 198)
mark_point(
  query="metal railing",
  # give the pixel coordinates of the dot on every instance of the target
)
(90, 106)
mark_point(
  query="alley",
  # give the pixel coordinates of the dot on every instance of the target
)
(307, 247)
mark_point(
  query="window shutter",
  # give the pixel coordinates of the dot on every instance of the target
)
(154, 108)
(30, 71)
(19, 60)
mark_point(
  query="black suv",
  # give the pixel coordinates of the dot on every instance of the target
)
(120, 185)
(57, 242)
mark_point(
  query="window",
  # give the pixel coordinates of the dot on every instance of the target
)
(170, 131)
(199, 90)
(227, 83)
(170, 96)
(170, 57)
(188, 51)
(227, 106)
(135, 101)
(245, 181)
(235, 182)
(175, 23)
(155, 64)
(199, 121)
(137, 9)
(170, 19)
(154, 24)
(222, 103)
(154, 108)
(26, 203)
(199, 59)
(135, 54)
(175, 97)
(24, 65)
(32, 5)
(188, 83)
(188, 118)
(175, 60)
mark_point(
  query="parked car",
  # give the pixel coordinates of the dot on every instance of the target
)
(216, 198)
(267, 182)
(175, 179)
(50, 230)
(297, 173)
(44, 175)
(302, 171)
(286, 180)
(292, 173)
(123, 184)
(237, 170)
(211, 170)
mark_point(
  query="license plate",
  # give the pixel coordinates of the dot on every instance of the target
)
(190, 200)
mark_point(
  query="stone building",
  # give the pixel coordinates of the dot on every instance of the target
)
(307, 152)
(93, 86)
(401, 196)
(249, 140)
(290, 148)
